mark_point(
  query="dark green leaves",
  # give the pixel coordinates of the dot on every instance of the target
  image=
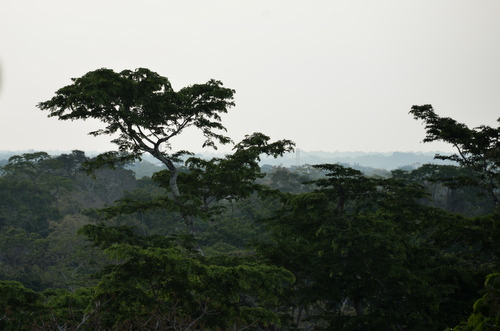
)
(161, 286)
(144, 114)
(477, 149)
(142, 107)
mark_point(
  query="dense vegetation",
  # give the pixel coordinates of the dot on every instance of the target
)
(220, 244)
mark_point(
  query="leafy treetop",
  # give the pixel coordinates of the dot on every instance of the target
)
(478, 149)
(143, 108)
(146, 113)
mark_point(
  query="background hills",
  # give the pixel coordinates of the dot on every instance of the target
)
(368, 162)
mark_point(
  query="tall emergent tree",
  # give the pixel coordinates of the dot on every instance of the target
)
(161, 283)
(478, 149)
(147, 114)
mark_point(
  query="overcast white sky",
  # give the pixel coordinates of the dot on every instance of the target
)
(329, 75)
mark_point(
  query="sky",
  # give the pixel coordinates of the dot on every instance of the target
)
(330, 75)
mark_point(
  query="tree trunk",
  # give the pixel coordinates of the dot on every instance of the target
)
(188, 219)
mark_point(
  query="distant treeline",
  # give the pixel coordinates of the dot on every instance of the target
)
(368, 162)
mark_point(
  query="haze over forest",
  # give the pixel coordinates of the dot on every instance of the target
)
(323, 207)
(383, 161)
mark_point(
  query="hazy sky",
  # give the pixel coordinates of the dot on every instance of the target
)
(329, 75)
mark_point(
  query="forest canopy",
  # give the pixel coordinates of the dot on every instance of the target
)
(220, 244)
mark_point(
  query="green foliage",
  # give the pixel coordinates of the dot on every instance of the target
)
(478, 149)
(163, 287)
(289, 180)
(105, 237)
(335, 249)
(19, 307)
(24, 309)
(142, 107)
(147, 113)
(205, 184)
(28, 189)
(39, 196)
(235, 228)
(363, 255)
(486, 315)
(67, 309)
(22, 254)
(449, 188)
(364, 252)
(233, 177)
(69, 262)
